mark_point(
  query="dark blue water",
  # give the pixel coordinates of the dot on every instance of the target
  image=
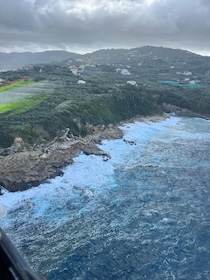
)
(144, 214)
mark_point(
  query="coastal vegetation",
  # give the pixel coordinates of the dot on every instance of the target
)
(51, 98)
(41, 118)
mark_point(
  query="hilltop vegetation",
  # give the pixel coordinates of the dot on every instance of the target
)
(94, 90)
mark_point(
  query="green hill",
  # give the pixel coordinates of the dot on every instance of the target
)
(96, 89)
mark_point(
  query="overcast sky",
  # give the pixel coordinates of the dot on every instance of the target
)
(86, 25)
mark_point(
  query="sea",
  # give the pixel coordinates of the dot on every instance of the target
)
(142, 214)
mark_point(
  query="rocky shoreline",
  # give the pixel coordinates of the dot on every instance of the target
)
(182, 111)
(21, 170)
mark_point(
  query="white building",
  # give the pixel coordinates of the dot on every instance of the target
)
(74, 70)
(81, 82)
(133, 83)
(186, 73)
(125, 72)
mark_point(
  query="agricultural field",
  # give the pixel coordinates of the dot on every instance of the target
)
(50, 99)
(15, 83)
(23, 96)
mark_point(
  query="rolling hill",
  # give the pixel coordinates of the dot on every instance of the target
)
(12, 61)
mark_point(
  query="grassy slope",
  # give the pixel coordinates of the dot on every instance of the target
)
(104, 99)
(39, 120)
(21, 106)
(26, 100)
(43, 116)
(16, 85)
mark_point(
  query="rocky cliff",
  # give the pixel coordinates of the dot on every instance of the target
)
(181, 111)
(23, 168)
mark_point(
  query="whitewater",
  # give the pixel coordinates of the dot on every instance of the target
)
(142, 214)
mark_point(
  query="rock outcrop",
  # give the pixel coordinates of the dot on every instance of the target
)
(23, 169)
(181, 111)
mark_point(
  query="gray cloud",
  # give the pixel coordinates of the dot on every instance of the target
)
(86, 24)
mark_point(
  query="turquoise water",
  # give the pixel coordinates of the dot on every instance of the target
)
(177, 84)
(143, 214)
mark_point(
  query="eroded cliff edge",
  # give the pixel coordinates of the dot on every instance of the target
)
(20, 170)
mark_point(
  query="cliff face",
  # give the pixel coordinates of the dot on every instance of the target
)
(24, 169)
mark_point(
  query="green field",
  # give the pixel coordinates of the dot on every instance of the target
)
(22, 96)
(23, 105)
(24, 91)
(16, 85)
(41, 107)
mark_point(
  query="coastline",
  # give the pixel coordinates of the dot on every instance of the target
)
(29, 168)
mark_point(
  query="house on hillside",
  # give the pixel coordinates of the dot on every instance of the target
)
(74, 69)
(81, 82)
(125, 72)
(133, 83)
(186, 73)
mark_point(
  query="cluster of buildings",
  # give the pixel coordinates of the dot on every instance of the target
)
(186, 73)
(123, 71)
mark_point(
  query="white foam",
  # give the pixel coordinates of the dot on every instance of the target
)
(88, 177)
(3, 211)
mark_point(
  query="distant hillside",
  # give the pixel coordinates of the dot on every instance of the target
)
(82, 92)
(117, 55)
(12, 61)
(149, 54)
